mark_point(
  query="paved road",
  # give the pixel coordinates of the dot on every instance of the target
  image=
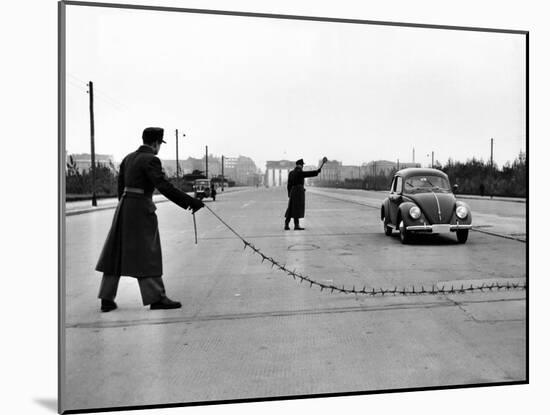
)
(500, 216)
(249, 331)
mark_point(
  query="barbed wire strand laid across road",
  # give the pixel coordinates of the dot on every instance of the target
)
(413, 290)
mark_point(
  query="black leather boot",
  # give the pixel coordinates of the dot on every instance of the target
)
(108, 305)
(164, 304)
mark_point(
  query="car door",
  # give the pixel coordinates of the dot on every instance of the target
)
(395, 198)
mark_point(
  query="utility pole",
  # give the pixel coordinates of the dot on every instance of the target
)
(432, 159)
(178, 169)
(397, 164)
(491, 155)
(413, 155)
(207, 162)
(92, 139)
(374, 169)
(491, 171)
(177, 160)
(223, 177)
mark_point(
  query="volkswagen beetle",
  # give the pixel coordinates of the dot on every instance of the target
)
(422, 201)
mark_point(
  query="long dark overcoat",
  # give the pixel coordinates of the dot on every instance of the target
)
(132, 247)
(296, 192)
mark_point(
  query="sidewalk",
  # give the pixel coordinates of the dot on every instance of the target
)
(85, 206)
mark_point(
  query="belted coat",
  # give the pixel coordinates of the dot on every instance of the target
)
(132, 247)
(296, 192)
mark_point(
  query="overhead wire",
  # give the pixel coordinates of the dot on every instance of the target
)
(98, 92)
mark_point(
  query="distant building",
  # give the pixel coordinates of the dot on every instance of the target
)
(276, 172)
(379, 167)
(230, 162)
(385, 167)
(82, 162)
(239, 169)
(186, 166)
(352, 172)
(310, 180)
(407, 165)
(214, 166)
(257, 179)
(334, 172)
(331, 172)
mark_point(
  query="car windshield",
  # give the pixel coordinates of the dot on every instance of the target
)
(426, 183)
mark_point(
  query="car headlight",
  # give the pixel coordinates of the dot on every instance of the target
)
(461, 212)
(414, 212)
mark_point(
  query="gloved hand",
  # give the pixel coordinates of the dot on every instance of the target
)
(322, 164)
(197, 204)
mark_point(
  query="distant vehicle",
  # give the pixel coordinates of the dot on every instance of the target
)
(421, 201)
(204, 188)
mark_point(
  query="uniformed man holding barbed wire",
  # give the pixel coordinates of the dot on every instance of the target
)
(132, 247)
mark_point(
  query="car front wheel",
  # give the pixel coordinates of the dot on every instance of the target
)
(462, 235)
(404, 235)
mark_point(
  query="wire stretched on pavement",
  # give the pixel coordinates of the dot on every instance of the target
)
(412, 290)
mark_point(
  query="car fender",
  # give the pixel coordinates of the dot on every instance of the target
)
(385, 208)
(404, 214)
(468, 219)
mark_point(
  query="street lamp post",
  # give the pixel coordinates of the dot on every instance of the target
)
(491, 181)
(92, 141)
(206, 159)
(223, 176)
(177, 159)
(177, 156)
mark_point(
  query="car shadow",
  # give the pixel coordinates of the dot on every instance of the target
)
(426, 239)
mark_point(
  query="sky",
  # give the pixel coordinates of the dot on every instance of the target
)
(276, 89)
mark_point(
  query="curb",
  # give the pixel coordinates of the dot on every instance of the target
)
(99, 208)
(499, 199)
(458, 196)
